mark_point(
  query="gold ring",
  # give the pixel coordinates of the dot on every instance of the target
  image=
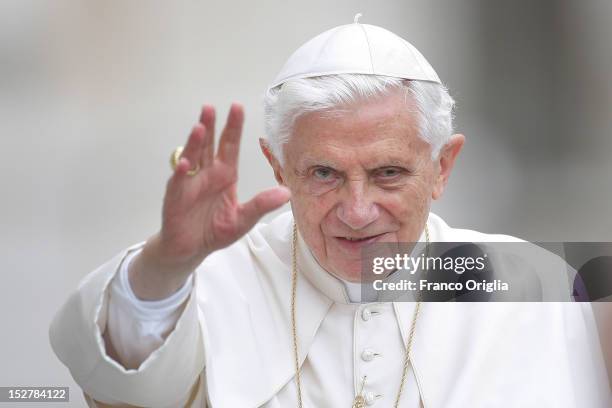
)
(174, 159)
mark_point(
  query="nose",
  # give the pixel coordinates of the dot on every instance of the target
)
(357, 209)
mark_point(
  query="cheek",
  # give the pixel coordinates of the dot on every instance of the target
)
(310, 209)
(310, 203)
(310, 213)
(318, 188)
(411, 199)
(408, 207)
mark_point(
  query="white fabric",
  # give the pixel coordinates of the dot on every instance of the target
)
(136, 327)
(357, 49)
(232, 343)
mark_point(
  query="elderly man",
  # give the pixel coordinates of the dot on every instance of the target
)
(217, 310)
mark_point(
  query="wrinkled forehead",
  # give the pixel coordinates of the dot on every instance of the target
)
(371, 131)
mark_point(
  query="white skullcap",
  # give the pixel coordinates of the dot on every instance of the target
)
(357, 49)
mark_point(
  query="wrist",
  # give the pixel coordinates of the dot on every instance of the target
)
(153, 276)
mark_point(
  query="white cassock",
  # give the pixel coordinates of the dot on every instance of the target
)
(232, 344)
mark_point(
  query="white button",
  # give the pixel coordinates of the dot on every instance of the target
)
(366, 314)
(370, 398)
(368, 355)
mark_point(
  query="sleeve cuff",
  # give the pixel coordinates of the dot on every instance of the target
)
(157, 310)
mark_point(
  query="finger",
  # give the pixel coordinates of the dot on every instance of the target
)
(175, 183)
(251, 211)
(207, 118)
(182, 167)
(193, 150)
(229, 144)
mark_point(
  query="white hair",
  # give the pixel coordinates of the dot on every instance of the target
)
(285, 103)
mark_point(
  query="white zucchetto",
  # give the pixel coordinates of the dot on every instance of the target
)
(357, 49)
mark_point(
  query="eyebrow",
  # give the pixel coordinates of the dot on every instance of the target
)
(390, 162)
(311, 161)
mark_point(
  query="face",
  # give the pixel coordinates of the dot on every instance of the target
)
(359, 175)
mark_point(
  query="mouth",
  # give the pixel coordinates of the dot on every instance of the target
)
(353, 243)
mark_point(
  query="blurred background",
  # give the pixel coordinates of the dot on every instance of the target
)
(94, 95)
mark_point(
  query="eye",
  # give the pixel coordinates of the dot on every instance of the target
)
(323, 173)
(389, 172)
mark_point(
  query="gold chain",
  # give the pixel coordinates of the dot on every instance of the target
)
(293, 328)
(359, 400)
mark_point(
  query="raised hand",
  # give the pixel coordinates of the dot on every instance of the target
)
(201, 213)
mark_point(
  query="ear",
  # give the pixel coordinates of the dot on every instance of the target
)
(445, 162)
(276, 167)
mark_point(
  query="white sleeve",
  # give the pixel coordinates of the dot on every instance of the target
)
(136, 327)
(171, 376)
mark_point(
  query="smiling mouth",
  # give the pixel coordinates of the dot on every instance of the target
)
(355, 239)
(360, 239)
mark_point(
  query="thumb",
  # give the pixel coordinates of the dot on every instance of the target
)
(251, 211)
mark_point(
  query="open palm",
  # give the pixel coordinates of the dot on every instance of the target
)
(201, 212)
